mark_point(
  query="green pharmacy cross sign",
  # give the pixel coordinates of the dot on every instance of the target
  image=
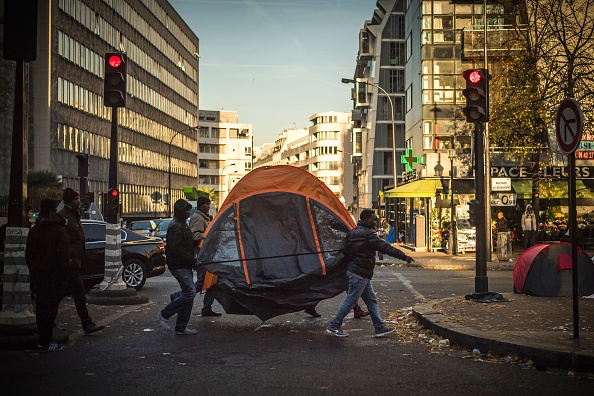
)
(410, 160)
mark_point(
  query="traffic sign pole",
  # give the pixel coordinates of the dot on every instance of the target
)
(569, 128)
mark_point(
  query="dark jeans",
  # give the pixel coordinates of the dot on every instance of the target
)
(182, 304)
(46, 311)
(529, 238)
(76, 289)
(208, 297)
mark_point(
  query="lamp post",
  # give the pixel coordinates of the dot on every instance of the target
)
(221, 181)
(394, 161)
(169, 169)
(453, 228)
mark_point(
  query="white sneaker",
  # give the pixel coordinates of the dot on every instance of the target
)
(164, 322)
(186, 331)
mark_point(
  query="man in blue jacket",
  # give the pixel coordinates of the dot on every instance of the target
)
(361, 245)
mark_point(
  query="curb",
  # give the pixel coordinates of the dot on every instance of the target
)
(542, 354)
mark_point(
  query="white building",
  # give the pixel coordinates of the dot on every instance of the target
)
(225, 151)
(323, 149)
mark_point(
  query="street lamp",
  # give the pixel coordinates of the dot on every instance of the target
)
(453, 228)
(221, 179)
(351, 81)
(169, 169)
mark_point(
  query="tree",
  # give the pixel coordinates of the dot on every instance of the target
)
(43, 184)
(553, 60)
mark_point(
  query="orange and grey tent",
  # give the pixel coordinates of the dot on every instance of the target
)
(546, 270)
(275, 245)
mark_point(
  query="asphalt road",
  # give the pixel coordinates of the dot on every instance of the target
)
(287, 355)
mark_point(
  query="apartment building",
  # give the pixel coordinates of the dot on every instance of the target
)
(66, 112)
(322, 149)
(225, 151)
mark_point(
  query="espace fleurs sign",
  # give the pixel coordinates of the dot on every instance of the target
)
(550, 172)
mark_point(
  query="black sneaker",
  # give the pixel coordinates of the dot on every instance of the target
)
(52, 347)
(384, 331)
(210, 313)
(337, 331)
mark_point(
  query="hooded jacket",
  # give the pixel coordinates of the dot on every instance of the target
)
(47, 254)
(180, 245)
(361, 244)
(75, 234)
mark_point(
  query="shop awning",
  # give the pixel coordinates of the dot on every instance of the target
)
(550, 189)
(418, 189)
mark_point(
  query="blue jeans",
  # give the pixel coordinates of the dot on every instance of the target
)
(208, 297)
(359, 287)
(182, 305)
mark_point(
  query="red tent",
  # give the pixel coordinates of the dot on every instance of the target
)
(275, 244)
(546, 270)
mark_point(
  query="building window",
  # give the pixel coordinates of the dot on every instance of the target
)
(409, 98)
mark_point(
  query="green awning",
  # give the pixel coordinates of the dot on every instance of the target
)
(550, 189)
(418, 189)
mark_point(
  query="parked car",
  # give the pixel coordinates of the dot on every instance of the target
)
(143, 227)
(142, 257)
(161, 230)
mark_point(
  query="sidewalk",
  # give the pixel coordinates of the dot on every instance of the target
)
(537, 328)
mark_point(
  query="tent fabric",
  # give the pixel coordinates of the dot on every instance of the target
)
(275, 245)
(546, 270)
(420, 188)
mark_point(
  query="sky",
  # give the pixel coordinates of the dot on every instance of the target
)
(276, 62)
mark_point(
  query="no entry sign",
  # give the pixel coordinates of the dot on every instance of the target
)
(569, 125)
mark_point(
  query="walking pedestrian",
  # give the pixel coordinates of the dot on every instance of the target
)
(181, 260)
(47, 254)
(76, 236)
(529, 227)
(502, 237)
(361, 244)
(198, 224)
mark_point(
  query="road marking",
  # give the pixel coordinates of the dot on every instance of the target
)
(106, 321)
(409, 286)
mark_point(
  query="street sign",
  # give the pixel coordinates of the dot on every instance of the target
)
(569, 125)
(156, 196)
(501, 184)
(503, 199)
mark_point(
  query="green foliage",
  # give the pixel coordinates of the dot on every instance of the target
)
(43, 184)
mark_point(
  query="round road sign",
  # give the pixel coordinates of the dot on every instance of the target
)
(569, 125)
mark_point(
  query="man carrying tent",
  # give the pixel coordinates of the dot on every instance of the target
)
(361, 245)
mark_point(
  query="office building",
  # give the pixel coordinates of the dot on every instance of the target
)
(156, 133)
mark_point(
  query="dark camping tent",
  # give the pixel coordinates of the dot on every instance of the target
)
(274, 247)
(546, 270)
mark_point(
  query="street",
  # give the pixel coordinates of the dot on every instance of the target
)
(288, 355)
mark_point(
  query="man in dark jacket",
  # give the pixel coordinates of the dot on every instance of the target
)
(76, 235)
(180, 260)
(361, 245)
(47, 254)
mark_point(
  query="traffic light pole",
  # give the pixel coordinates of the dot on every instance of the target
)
(112, 215)
(481, 283)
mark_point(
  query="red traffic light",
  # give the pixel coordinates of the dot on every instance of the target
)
(114, 193)
(475, 76)
(115, 61)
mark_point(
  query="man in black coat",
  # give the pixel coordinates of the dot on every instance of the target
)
(47, 254)
(361, 245)
(180, 261)
(76, 235)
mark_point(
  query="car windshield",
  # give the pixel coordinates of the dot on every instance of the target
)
(163, 225)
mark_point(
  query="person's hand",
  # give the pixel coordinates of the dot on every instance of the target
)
(409, 260)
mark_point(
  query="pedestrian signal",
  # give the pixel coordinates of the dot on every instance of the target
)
(113, 197)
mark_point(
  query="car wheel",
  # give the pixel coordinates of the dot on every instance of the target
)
(134, 273)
